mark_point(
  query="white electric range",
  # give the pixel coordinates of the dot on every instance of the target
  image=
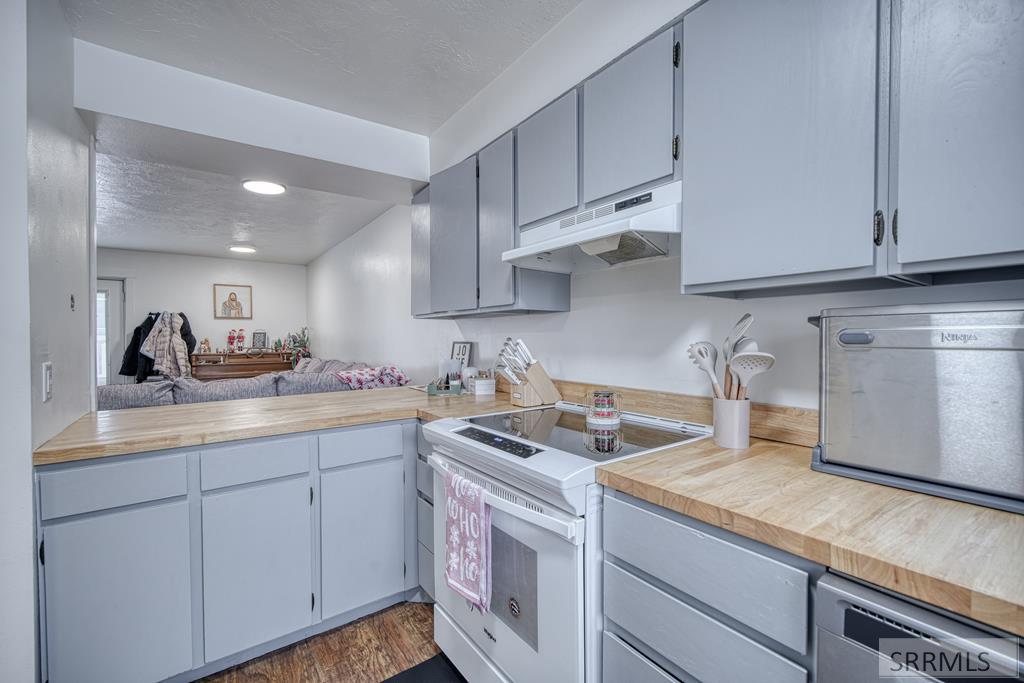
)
(539, 469)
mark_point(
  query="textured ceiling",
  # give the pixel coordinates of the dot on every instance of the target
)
(405, 63)
(156, 207)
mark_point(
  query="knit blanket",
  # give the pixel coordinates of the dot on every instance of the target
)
(373, 378)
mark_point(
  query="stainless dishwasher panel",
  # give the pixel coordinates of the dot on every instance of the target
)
(928, 397)
(850, 618)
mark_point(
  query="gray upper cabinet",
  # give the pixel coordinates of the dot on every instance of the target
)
(257, 565)
(420, 266)
(497, 222)
(628, 122)
(453, 238)
(362, 534)
(960, 156)
(547, 160)
(118, 604)
(778, 144)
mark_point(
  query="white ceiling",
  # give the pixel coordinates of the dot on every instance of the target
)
(404, 63)
(157, 207)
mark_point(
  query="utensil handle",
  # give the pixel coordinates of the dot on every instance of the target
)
(743, 393)
(728, 382)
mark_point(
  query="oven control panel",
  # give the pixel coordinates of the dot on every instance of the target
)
(502, 443)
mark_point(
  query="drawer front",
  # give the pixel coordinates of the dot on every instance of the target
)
(623, 663)
(769, 596)
(424, 479)
(696, 643)
(360, 445)
(108, 485)
(425, 562)
(256, 461)
(425, 523)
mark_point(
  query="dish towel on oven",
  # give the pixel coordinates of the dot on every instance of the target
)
(468, 540)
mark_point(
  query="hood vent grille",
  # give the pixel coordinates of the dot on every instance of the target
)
(628, 246)
(588, 215)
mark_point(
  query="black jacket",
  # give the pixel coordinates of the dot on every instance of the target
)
(140, 366)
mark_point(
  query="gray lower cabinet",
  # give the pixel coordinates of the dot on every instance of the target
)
(453, 238)
(362, 522)
(779, 143)
(960, 150)
(629, 120)
(118, 595)
(687, 601)
(257, 565)
(547, 160)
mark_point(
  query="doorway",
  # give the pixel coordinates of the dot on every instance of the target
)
(110, 332)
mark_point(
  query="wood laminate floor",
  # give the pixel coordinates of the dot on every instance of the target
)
(370, 650)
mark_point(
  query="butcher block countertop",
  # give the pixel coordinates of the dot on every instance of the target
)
(965, 558)
(138, 430)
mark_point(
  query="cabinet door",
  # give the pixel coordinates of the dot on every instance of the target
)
(421, 253)
(778, 144)
(628, 120)
(547, 160)
(453, 238)
(497, 222)
(257, 567)
(118, 596)
(362, 531)
(961, 130)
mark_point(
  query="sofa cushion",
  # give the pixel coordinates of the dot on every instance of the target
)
(118, 396)
(292, 382)
(194, 391)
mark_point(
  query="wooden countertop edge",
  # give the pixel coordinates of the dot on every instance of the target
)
(956, 598)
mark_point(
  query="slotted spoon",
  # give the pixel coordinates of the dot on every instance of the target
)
(705, 356)
(748, 365)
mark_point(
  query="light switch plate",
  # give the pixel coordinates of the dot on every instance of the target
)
(47, 381)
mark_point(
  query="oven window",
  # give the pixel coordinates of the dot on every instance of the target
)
(514, 585)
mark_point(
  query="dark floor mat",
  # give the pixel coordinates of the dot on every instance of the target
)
(437, 669)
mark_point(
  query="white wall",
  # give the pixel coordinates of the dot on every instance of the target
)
(174, 282)
(359, 302)
(17, 566)
(59, 226)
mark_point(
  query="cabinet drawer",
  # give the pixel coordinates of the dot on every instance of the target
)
(424, 479)
(623, 663)
(425, 523)
(422, 445)
(360, 445)
(108, 485)
(425, 563)
(763, 593)
(257, 461)
(693, 641)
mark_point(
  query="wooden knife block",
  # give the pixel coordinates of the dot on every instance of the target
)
(537, 390)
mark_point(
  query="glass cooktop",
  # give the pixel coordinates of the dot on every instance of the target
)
(530, 432)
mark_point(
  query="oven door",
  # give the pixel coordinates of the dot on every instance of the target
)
(534, 628)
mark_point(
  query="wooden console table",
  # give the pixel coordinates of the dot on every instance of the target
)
(210, 366)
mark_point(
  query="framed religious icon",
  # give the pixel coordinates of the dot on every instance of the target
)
(232, 302)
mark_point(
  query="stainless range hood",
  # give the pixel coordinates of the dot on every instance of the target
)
(643, 226)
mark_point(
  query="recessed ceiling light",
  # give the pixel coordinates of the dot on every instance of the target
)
(242, 249)
(263, 187)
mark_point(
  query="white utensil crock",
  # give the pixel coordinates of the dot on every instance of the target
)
(732, 423)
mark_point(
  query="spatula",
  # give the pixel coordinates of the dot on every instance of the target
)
(748, 365)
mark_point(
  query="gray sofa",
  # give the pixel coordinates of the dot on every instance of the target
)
(309, 378)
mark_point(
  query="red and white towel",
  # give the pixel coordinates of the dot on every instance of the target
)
(468, 540)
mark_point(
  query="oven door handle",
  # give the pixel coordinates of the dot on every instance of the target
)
(561, 524)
